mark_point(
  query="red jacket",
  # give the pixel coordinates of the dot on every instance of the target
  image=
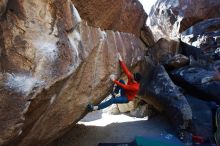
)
(132, 87)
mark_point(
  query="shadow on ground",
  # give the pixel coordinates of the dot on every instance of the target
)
(82, 135)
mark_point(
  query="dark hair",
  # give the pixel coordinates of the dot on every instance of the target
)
(137, 77)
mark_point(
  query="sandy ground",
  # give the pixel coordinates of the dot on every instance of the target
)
(98, 127)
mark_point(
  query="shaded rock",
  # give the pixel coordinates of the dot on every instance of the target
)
(177, 61)
(215, 65)
(147, 69)
(168, 18)
(202, 124)
(163, 50)
(189, 50)
(147, 36)
(119, 15)
(191, 79)
(170, 100)
(218, 40)
(3, 5)
(52, 65)
(141, 110)
(217, 133)
(216, 54)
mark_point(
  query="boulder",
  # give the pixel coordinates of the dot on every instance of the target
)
(177, 61)
(52, 65)
(168, 18)
(3, 4)
(141, 109)
(126, 107)
(118, 15)
(147, 69)
(189, 50)
(163, 50)
(147, 36)
(192, 78)
(202, 121)
(165, 96)
(203, 35)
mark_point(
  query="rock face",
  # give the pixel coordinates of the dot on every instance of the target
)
(52, 65)
(192, 77)
(163, 50)
(202, 117)
(204, 35)
(168, 18)
(3, 4)
(190, 51)
(177, 61)
(118, 15)
(168, 98)
(147, 36)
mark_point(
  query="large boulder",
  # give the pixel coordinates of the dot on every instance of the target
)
(164, 95)
(190, 51)
(147, 36)
(177, 61)
(52, 65)
(119, 15)
(202, 123)
(3, 4)
(168, 18)
(194, 78)
(163, 50)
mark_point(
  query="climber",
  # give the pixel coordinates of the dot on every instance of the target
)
(127, 91)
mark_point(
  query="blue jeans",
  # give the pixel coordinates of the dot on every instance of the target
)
(121, 99)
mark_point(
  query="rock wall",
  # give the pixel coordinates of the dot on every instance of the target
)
(52, 65)
(168, 18)
(54, 60)
(118, 15)
(3, 5)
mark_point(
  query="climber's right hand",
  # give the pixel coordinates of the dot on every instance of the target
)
(119, 57)
(112, 77)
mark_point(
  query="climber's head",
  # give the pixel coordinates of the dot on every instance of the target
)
(137, 77)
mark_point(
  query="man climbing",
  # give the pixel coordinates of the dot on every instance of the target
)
(127, 91)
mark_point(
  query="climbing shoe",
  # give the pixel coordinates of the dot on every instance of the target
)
(90, 107)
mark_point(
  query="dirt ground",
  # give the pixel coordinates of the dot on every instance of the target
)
(98, 127)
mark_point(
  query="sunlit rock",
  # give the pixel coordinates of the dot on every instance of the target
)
(171, 17)
(204, 35)
(119, 15)
(52, 65)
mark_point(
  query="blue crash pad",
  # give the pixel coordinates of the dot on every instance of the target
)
(164, 140)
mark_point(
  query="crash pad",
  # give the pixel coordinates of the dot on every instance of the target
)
(165, 140)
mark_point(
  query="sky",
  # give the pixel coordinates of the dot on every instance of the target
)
(147, 4)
